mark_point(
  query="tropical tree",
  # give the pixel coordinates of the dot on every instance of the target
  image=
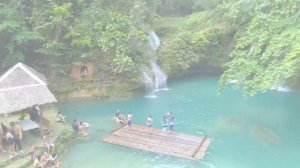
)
(267, 46)
(15, 36)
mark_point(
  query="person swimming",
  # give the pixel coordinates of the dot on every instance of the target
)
(60, 118)
(75, 125)
(120, 118)
(123, 120)
(118, 113)
(83, 128)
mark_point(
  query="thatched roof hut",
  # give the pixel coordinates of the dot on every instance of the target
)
(22, 87)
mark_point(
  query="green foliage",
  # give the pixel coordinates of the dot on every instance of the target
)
(114, 39)
(262, 37)
(102, 96)
(52, 34)
(168, 26)
(178, 7)
(193, 42)
(123, 87)
(22, 116)
(123, 64)
(64, 140)
(14, 35)
(63, 10)
(267, 50)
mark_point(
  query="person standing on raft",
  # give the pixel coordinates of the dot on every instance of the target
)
(149, 121)
(172, 121)
(164, 123)
(129, 119)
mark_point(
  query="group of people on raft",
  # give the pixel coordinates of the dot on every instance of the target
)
(168, 120)
(123, 119)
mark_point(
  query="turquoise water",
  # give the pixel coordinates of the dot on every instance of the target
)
(257, 132)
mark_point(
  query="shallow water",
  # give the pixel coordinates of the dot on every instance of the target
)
(258, 132)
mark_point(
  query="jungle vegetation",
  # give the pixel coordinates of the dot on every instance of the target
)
(255, 42)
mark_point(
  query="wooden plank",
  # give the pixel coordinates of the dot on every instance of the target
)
(176, 146)
(161, 138)
(171, 134)
(147, 147)
(203, 149)
(199, 147)
(155, 140)
(166, 135)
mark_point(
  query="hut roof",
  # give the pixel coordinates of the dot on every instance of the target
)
(22, 87)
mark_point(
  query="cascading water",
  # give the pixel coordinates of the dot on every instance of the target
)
(148, 85)
(280, 88)
(154, 41)
(154, 79)
(160, 78)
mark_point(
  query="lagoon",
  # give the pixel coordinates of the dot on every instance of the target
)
(255, 132)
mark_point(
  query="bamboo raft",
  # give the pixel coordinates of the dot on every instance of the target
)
(155, 140)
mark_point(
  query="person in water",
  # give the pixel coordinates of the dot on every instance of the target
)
(119, 117)
(129, 119)
(83, 128)
(122, 120)
(172, 121)
(164, 123)
(118, 113)
(75, 125)
(60, 118)
(149, 121)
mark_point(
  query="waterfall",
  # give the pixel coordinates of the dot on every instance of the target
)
(148, 83)
(154, 79)
(160, 78)
(280, 88)
(154, 41)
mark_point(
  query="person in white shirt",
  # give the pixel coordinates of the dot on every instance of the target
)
(149, 121)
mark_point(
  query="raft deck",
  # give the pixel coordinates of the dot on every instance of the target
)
(155, 140)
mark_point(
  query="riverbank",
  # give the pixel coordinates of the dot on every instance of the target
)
(61, 135)
(116, 89)
(119, 88)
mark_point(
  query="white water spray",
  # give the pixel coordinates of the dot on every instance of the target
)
(280, 88)
(154, 41)
(160, 78)
(148, 83)
(154, 79)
